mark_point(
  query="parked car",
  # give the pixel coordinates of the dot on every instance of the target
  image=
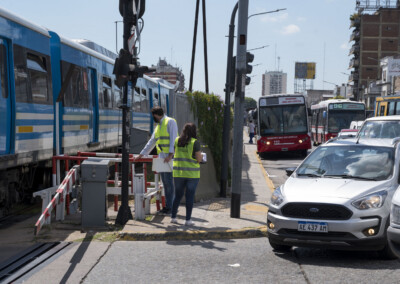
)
(347, 133)
(393, 232)
(380, 127)
(339, 198)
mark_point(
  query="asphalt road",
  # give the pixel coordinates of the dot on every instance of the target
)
(236, 261)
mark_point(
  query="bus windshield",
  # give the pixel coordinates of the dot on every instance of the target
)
(281, 120)
(341, 119)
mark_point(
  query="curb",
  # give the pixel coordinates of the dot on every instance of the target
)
(194, 235)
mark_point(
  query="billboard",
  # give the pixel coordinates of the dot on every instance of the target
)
(304, 70)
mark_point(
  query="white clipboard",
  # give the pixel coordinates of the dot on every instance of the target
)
(160, 167)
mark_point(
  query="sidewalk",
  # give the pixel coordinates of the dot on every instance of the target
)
(212, 218)
(212, 221)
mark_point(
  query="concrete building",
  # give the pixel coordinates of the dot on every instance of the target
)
(169, 73)
(376, 35)
(315, 96)
(389, 82)
(274, 82)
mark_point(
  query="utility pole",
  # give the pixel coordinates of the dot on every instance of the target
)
(196, 17)
(241, 66)
(229, 87)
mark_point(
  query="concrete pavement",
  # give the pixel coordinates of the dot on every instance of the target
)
(212, 221)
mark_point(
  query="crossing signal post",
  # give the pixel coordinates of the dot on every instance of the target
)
(127, 69)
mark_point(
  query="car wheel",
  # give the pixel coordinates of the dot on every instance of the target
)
(279, 247)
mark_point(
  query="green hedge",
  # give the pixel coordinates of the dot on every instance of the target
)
(209, 111)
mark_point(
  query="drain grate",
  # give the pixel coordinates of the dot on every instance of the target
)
(219, 205)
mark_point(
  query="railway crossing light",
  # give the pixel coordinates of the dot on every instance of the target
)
(249, 68)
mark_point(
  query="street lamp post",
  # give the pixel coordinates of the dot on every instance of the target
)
(229, 87)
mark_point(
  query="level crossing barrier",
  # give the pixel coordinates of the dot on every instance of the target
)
(145, 190)
(59, 198)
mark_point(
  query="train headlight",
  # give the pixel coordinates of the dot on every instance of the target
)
(268, 143)
(300, 141)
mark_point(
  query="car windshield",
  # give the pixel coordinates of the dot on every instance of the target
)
(349, 161)
(380, 129)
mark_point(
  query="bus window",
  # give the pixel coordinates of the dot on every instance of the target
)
(397, 108)
(382, 110)
(136, 99)
(391, 106)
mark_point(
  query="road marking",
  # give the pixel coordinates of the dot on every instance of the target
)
(267, 179)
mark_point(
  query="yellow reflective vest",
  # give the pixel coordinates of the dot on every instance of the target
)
(184, 166)
(162, 136)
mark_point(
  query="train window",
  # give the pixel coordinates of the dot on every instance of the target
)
(136, 99)
(106, 92)
(76, 92)
(144, 102)
(4, 78)
(38, 77)
(156, 99)
(20, 74)
(117, 96)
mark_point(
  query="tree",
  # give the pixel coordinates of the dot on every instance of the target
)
(250, 103)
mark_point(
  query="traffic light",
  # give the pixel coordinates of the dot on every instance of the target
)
(249, 68)
(126, 69)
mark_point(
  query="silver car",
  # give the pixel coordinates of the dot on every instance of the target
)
(338, 198)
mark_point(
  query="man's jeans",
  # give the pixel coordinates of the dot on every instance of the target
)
(180, 184)
(168, 183)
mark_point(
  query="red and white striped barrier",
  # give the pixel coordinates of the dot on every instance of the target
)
(59, 199)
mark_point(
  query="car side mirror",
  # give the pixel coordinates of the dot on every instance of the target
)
(289, 171)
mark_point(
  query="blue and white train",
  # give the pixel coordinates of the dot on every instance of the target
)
(59, 96)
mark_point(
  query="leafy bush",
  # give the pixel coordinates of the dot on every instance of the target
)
(209, 110)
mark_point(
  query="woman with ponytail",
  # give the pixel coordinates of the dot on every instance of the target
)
(186, 170)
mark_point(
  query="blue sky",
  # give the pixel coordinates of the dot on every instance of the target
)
(307, 31)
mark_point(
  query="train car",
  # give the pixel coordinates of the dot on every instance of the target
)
(26, 107)
(59, 96)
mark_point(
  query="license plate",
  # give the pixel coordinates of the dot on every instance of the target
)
(320, 227)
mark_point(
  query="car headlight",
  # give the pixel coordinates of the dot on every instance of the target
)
(395, 214)
(277, 197)
(374, 200)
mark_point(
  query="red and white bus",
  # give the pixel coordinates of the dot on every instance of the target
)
(283, 124)
(329, 117)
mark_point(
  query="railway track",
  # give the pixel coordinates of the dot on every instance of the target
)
(19, 266)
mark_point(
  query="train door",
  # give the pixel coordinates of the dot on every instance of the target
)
(93, 106)
(5, 101)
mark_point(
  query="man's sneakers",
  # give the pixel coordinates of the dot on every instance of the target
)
(164, 211)
(189, 223)
(174, 221)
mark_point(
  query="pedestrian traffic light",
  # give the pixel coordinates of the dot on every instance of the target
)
(249, 68)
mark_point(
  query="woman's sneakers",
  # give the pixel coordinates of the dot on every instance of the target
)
(189, 223)
(174, 221)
